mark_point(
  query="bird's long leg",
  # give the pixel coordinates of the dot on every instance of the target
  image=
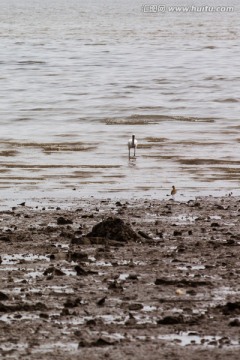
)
(134, 151)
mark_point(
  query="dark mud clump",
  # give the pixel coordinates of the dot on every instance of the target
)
(114, 229)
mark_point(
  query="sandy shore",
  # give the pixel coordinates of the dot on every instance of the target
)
(161, 283)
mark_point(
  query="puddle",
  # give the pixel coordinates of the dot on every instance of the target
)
(11, 318)
(46, 290)
(40, 273)
(106, 319)
(43, 289)
(34, 274)
(109, 319)
(69, 346)
(8, 268)
(103, 263)
(120, 263)
(119, 319)
(191, 267)
(128, 262)
(59, 289)
(69, 272)
(72, 346)
(185, 339)
(149, 308)
(11, 346)
(183, 219)
(13, 259)
(62, 246)
(222, 292)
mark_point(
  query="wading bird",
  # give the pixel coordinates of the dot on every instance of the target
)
(132, 144)
(173, 192)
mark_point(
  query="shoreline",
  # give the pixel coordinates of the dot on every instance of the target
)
(71, 197)
(172, 290)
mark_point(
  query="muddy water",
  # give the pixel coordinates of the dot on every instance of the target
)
(78, 79)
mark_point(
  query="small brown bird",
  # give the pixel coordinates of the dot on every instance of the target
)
(174, 191)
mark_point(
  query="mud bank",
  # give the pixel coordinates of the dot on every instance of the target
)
(128, 279)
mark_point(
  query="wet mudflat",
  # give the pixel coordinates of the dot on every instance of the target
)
(136, 279)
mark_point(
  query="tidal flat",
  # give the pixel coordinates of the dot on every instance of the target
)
(130, 279)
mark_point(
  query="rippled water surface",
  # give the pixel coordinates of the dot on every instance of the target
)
(78, 78)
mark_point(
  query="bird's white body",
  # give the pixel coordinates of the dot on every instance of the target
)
(132, 144)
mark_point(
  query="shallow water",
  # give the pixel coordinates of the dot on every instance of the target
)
(78, 79)
(186, 339)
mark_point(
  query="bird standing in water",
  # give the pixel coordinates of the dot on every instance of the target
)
(173, 192)
(132, 144)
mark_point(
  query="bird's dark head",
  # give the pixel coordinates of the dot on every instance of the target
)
(133, 137)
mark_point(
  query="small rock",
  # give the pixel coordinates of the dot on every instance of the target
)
(53, 271)
(115, 286)
(5, 238)
(43, 315)
(180, 248)
(135, 307)
(49, 270)
(215, 224)
(230, 308)
(3, 296)
(177, 233)
(22, 204)
(98, 343)
(65, 312)
(89, 216)
(62, 221)
(80, 271)
(91, 322)
(17, 316)
(171, 320)
(132, 277)
(80, 241)
(59, 272)
(180, 292)
(71, 303)
(191, 292)
(76, 256)
(101, 302)
(144, 235)
(235, 322)
(131, 321)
